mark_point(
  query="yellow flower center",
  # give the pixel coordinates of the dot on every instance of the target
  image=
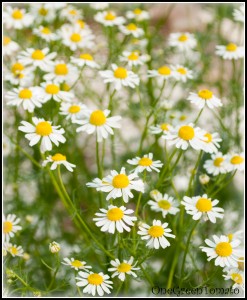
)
(81, 23)
(236, 160)
(61, 69)
(52, 89)
(65, 87)
(74, 109)
(7, 227)
(137, 11)
(115, 214)
(164, 70)
(164, 204)
(218, 161)
(75, 37)
(230, 237)
(19, 75)
(120, 73)
(38, 54)
(43, 128)
(182, 71)
(17, 14)
(43, 11)
(231, 47)
(183, 38)
(164, 126)
(156, 231)
(145, 162)
(205, 94)
(133, 56)
(110, 16)
(209, 137)
(97, 118)
(204, 205)
(86, 56)
(237, 278)
(46, 30)
(124, 267)
(73, 12)
(17, 67)
(14, 250)
(95, 279)
(6, 40)
(120, 181)
(58, 157)
(77, 264)
(186, 133)
(182, 118)
(241, 263)
(25, 94)
(131, 27)
(224, 249)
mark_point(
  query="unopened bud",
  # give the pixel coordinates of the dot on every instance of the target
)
(54, 247)
(204, 179)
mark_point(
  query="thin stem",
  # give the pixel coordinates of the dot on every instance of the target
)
(147, 275)
(197, 118)
(194, 171)
(79, 77)
(55, 272)
(23, 282)
(119, 288)
(173, 267)
(224, 185)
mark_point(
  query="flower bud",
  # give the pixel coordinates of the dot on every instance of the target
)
(204, 179)
(54, 247)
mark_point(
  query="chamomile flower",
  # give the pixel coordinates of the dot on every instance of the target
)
(20, 75)
(62, 72)
(14, 250)
(94, 283)
(204, 97)
(230, 51)
(239, 14)
(163, 72)
(16, 18)
(109, 18)
(99, 5)
(118, 185)
(235, 161)
(120, 269)
(37, 58)
(114, 219)
(145, 163)
(182, 73)
(238, 235)
(160, 128)
(134, 58)
(163, 203)
(216, 165)
(72, 111)
(138, 14)
(52, 90)
(223, 251)
(44, 131)
(120, 77)
(182, 41)
(156, 234)
(185, 136)
(98, 121)
(211, 144)
(43, 12)
(29, 98)
(202, 206)
(132, 29)
(71, 13)
(85, 59)
(237, 277)
(10, 226)
(45, 33)
(9, 46)
(57, 160)
(75, 264)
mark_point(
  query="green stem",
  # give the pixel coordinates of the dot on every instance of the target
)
(119, 288)
(23, 282)
(149, 279)
(79, 77)
(197, 118)
(173, 267)
(55, 272)
(194, 171)
(224, 185)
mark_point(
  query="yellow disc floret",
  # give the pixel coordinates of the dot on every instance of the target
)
(77, 264)
(97, 118)
(164, 70)
(95, 279)
(156, 231)
(17, 14)
(205, 94)
(61, 69)
(43, 128)
(218, 161)
(120, 73)
(204, 205)
(25, 94)
(164, 204)
(38, 55)
(115, 214)
(186, 133)
(86, 56)
(183, 38)
(120, 181)
(231, 47)
(52, 89)
(145, 162)
(74, 109)
(223, 249)
(75, 37)
(7, 227)
(58, 157)
(124, 267)
(236, 160)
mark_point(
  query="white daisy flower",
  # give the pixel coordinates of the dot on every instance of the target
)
(230, 51)
(109, 18)
(44, 131)
(37, 58)
(134, 58)
(145, 163)
(75, 264)
(57, 160)
(14, 250)
(52, 90)
(160, 128)
(204, 97)
(71, 13)
(156, 234)
(121, 269)
(182, 41)
(239, 14)
(163, 203)
(29, 98)
(138, 14)
(238, 235)
(10, 226)
(118, 185)
(45, 33)
(211, 144)
(94, 283)
(163, 72)
(9, 46)
(99, 5)
(72, 111)
(216, 165)
(98, 121)
(235, 161)
(237, 277)
(114, 218)
(120, 77)
(85, 59)
(16, 18)
(202, 206)
(185, 136)
(61, 71)
(132, 29)
(82, 24)
(182, 73)
(20, 75)
(224, 252)
(43, 12)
